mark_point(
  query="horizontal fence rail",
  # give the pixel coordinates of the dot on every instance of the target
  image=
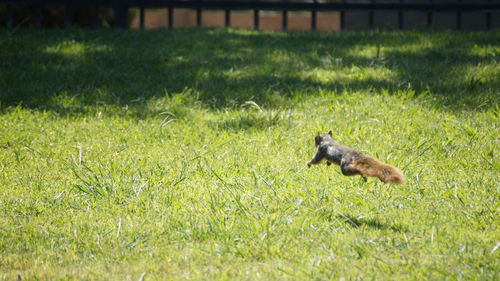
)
(121, 7)
(262, 5)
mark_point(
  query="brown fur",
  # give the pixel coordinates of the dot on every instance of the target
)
(371, 167)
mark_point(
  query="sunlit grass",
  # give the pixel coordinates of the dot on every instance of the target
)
(182, 155)
(74, 49)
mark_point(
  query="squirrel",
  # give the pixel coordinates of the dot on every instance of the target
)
(353, 162)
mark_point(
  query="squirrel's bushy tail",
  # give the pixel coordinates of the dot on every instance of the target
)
(369, 166)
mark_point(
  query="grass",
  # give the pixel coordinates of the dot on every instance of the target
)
(167, 155)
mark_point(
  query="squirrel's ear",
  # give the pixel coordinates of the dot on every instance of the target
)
(330, 133)
(317, 140)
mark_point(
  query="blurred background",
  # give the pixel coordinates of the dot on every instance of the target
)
(181, 14)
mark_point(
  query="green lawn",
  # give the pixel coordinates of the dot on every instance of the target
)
(181, 155)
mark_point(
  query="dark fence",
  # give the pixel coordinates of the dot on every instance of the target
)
(119, 10)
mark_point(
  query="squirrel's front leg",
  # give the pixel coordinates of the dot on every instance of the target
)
(316, 159)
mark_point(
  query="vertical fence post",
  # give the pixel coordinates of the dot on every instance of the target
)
(256, 19)
(284, 25)
(459, 20)
(170, 23)
(121, 13)
(96, 19)
(198, 17)
(488, 19)
(141, 17)
(314, 17)
(38, 19)
(400, 17)
(68, 16)
(227, 18)
(10, 16)
(429, 17)
(342, 17)
(371, 16)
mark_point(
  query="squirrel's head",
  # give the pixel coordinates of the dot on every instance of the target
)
(321, 137)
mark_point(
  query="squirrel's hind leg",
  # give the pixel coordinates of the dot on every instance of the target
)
(349, 170)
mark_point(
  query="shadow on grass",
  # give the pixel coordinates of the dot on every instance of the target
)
(372, 223)
(76, 71)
